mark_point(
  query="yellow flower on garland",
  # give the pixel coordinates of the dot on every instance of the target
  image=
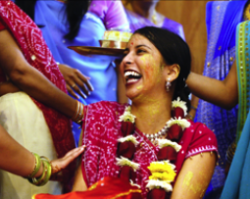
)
(167, 177)
(161, 167)
(162, 175)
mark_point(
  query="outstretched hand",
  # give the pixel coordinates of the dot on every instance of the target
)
(61, 163)
(76, 81)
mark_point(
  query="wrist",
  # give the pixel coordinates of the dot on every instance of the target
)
(79, 113)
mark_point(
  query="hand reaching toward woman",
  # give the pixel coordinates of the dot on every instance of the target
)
(76, 81)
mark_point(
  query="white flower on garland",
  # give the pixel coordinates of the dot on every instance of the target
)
(156, 184)
(181, 104)
(183, 123)
(134, 184)
(126, 162)
(127, 116)
(128, 138)
(165, 142)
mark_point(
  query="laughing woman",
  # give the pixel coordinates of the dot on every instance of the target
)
(141, 143)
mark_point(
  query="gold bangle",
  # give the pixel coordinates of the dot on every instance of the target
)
(77, 112)
(80, 116)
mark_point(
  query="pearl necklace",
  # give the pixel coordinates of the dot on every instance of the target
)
(162, 132)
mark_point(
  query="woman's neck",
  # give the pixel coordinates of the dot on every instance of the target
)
(151, 116)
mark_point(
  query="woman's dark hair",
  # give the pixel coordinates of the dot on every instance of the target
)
(75, 11)
(245, 8)
(174, 50)
(27, 6)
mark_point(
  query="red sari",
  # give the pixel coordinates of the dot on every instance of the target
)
(101, 131)
(29, 38)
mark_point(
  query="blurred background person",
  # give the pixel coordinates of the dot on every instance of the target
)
(143, 13)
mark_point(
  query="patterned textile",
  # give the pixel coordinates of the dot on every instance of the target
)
(237, 185)
(100, 134)
(137, 21)
(36, 52)
(222, 18)
(242, 55)
(101, 16)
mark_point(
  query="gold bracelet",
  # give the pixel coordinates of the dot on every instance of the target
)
(80, 116)
(77, 112)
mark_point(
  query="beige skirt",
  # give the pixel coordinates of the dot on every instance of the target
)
(25, 122)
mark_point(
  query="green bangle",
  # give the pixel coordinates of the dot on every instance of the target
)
(37, 166)
(37, 181)
(48, 173)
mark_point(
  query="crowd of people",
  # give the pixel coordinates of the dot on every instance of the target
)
(157, 144)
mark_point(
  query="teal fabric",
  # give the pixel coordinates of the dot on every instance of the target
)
(237, 185)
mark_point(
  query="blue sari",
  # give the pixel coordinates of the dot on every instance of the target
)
(222, 18)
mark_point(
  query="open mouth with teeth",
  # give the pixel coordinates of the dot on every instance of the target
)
(132, 76)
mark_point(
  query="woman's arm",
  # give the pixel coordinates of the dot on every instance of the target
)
(30, 80)
(79, 183)
(221, 93)
(194, 176)
(8, 87)
(18, 160)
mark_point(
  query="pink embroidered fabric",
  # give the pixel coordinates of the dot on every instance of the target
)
(100, 134)
(30, 40)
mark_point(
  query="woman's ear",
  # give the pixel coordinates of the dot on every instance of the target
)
(173, 72)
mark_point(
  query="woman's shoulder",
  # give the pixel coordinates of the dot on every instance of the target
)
(200, 130)
(200, 139)
(111, 13)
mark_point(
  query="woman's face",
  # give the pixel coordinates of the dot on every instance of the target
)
(143, 69)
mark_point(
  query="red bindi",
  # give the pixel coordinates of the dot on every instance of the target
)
(132, 43)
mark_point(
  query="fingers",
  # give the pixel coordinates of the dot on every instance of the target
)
(61, 163)
(76, 88)
(75, 152)
(86, 81)
(76, 82)
(81, 85)
(71, 92)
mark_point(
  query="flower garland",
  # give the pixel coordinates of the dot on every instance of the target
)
(162, 171)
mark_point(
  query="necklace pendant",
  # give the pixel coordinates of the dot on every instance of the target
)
(154, 142)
